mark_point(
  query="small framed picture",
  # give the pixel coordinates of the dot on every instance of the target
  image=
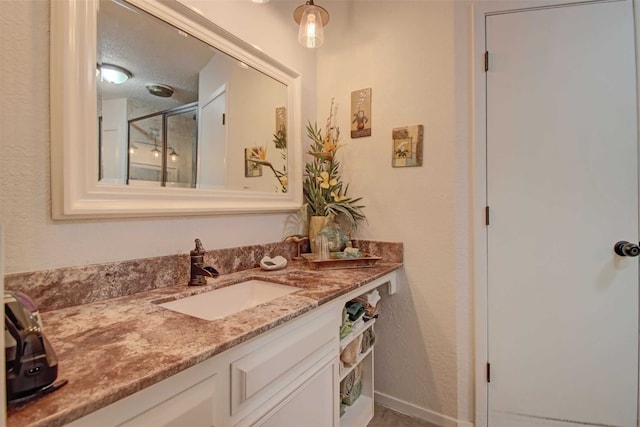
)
(407, 146)
(361, 113)
(251, 169)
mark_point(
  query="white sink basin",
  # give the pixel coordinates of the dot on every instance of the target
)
(229, 300)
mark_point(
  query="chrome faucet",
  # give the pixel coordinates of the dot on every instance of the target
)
(200, 272)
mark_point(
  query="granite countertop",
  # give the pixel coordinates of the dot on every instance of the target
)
(113, 348)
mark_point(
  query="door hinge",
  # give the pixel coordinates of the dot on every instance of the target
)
(488, 372)
(486, 215)
(224, 118)
(486, 61)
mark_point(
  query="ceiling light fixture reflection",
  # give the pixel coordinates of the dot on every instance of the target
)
(173, 155)
(155, 132)
(312, 19)
(157, 89)
(113, 74)
(156, 152)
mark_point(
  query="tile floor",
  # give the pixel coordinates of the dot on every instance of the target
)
(384, 417)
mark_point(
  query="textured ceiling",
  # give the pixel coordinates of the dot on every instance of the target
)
(153, 51)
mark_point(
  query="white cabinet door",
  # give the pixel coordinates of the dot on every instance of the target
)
(312, 404)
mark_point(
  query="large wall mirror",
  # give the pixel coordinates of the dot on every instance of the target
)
(157, 111)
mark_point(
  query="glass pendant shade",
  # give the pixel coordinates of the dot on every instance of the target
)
(311, 33)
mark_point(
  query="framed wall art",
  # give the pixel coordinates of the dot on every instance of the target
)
(361, 113)
(251, 169)
(407, 146)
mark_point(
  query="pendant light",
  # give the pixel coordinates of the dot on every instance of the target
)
(155, 132)
(312, 20)
(173, 155)
(156, 151)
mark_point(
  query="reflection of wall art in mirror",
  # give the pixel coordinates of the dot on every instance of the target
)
(251, 168)
(361, 113)
(164, 42)
(281, 121)
(258, 156)
(407, 146)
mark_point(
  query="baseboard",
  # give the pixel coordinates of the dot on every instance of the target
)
(418, 412)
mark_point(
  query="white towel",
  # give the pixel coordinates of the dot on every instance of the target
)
(373, 297)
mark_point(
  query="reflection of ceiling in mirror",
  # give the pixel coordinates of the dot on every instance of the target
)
(153, 51)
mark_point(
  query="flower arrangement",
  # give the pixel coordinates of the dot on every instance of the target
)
(258, 155)
(324, 191)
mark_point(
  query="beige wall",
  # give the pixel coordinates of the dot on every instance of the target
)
(414, 56)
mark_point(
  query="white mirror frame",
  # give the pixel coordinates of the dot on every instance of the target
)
(75, 190)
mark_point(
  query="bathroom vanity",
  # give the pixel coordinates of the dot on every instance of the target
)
(282, 377)
(131, 362)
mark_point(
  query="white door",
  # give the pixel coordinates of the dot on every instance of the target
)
(212, 140)
(562, 186)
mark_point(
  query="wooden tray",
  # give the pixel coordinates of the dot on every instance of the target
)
(334, 262)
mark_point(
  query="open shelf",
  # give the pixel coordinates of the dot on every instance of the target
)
(361, 412)
(358, 414)
(354, 334)
(344, 370)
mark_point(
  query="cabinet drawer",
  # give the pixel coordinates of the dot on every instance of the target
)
(188, 398)
(269, 368)
(193, 407)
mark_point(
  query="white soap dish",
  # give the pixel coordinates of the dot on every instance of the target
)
(275, 263)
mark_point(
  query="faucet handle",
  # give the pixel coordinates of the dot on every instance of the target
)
(211, 270)
(199, 250)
